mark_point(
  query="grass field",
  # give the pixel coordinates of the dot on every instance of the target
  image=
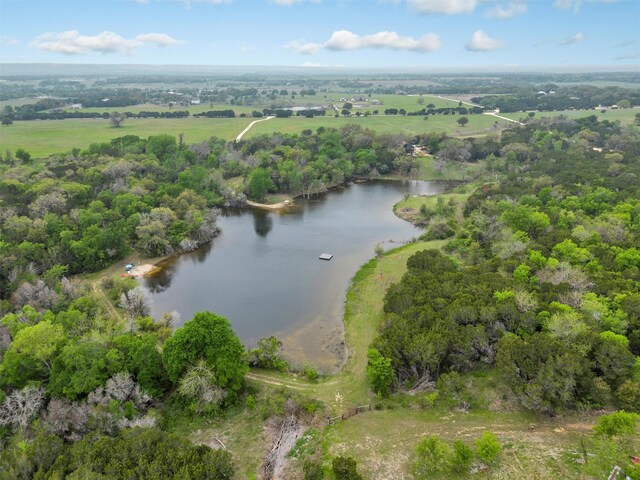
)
(478, 124)
(625, 116)
(46, 137)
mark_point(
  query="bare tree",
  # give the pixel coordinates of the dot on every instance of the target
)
(66, 419)
(123, 388)
(116, 119)
(136, 302)
(39, 295)
(200, 384)
(21, 406)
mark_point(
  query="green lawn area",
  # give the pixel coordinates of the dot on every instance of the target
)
(478, 124)
(46, 137)
(625, 116)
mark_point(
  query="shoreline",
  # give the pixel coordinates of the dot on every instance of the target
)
(271, 206)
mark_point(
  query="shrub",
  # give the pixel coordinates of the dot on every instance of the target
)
(345, 468)
(432, 455)
(617, 423)
(312, 470)
(487, 447)
(462, 458)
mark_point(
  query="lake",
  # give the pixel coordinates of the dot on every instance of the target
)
(263, 273)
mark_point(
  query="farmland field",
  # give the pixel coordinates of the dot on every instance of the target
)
(46, 137)
(478, 124)
(625, 116)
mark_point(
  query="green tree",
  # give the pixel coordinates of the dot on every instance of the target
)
(628, 396)
(462, 121)
(164, 147)
(142, 359)
(613, 360)
(81, 368)
(145, 453)
(22, 154)
(267, 355)
(210, 337)
(488, 447)
(380, 372)
(30, 354)
(542, 371)
(260, 184)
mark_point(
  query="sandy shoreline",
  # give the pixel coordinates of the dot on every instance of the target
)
(141, 270)
(271, 206)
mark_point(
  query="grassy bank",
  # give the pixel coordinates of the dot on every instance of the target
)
(409, 207)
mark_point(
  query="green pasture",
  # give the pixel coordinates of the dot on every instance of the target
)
(46, 137)
(626, 116)
(414, 125)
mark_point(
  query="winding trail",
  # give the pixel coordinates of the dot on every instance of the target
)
(251, 125)
(493, 114)
(457, 100)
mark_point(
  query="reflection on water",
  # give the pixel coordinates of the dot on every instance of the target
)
(263, 273)
(262, 222)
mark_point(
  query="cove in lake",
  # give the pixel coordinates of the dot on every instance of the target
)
(263, 273)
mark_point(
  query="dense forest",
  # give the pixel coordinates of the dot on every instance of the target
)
(542, 280)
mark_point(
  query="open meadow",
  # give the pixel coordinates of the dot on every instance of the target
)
(47, 137)
(625, 116)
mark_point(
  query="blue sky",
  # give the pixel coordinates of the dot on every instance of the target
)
(352, 33)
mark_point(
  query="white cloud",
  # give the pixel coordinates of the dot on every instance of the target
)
(507, 11)
(578, 37)
(304, 48)
(345, 40)
(481, 42)
(576, 5)
(8, 41)
(72, 43)
(447, 7)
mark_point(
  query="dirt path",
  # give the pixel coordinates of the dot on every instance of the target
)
(251, 125)
(106, 302)
(493, 114)
(456, 100)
